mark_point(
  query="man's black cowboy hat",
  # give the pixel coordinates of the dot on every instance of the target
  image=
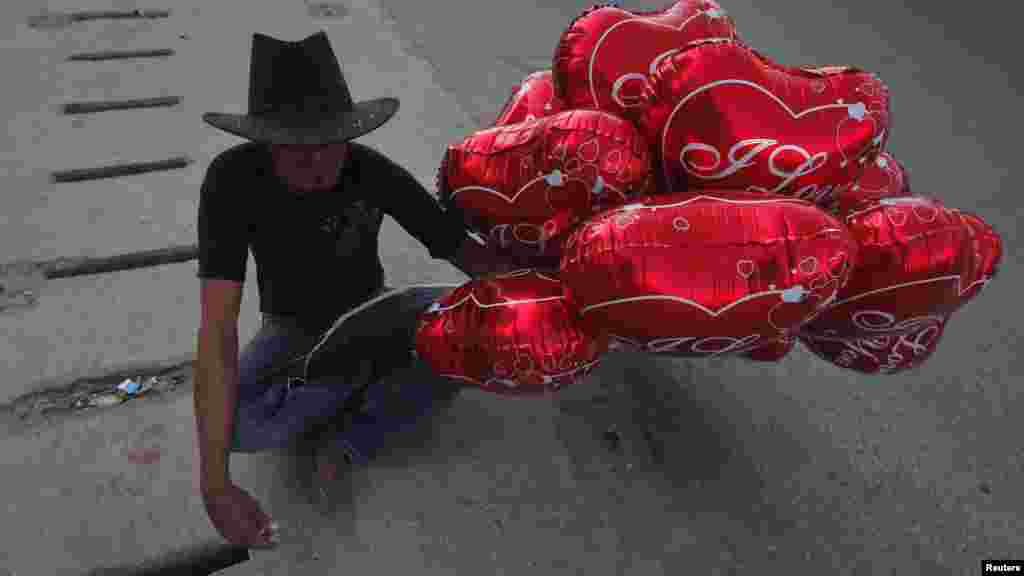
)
(298, 95)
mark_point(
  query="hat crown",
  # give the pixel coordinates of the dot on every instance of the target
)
(298, 95)
(301, 78)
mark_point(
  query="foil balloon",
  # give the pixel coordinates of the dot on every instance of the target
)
(604, 57)
(718, 273)
(886, 177)
(514, 334)
(526, 185)
(915, 267)
(985, 248)
(533, 98)
(774, 351)
(882, 354)
(723, 116)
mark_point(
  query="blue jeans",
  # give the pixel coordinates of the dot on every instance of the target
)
(376, 352)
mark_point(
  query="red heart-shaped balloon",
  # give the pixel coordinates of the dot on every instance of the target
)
(886, 177)
(913, 268)
(985, 251)
(526, 185)
(604, 57)
(882, 354)
(722, 272)
(533, 98)
(724, 116)
(514, 334)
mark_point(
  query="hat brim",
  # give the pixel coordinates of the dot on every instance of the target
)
(365, 117)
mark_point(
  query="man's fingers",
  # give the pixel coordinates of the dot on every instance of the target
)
(258, 529)
(273, 538)
(269, 533)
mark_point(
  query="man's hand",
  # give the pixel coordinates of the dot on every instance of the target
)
(480, 259)
(238, 518)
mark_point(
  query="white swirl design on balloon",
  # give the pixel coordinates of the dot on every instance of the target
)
(866, 347)
(524, 233)
(688, 345)
(819, 194)
(521, 362)
(754, 147)
(735, 82)
(916, 343)
(621, 82)
(709, 346)
(885, 323)
(750, 149)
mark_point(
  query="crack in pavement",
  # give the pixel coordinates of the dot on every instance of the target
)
(51, 405)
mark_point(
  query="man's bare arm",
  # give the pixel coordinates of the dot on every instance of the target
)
(216, 379)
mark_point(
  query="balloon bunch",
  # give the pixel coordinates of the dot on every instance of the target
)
(671, 190)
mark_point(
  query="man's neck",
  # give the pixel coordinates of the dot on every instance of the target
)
(313, 192)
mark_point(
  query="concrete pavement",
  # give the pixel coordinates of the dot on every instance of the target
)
(721, 466)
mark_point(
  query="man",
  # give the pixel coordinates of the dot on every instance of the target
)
(308, 203)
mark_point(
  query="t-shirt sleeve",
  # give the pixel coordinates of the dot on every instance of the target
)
(222, 226)
(400, 195)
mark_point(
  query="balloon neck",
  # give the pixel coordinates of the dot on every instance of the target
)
(794, 295)
(555, 178)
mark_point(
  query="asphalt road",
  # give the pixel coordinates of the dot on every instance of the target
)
(722, 465)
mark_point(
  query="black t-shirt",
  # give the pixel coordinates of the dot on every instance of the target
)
(316, 254)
